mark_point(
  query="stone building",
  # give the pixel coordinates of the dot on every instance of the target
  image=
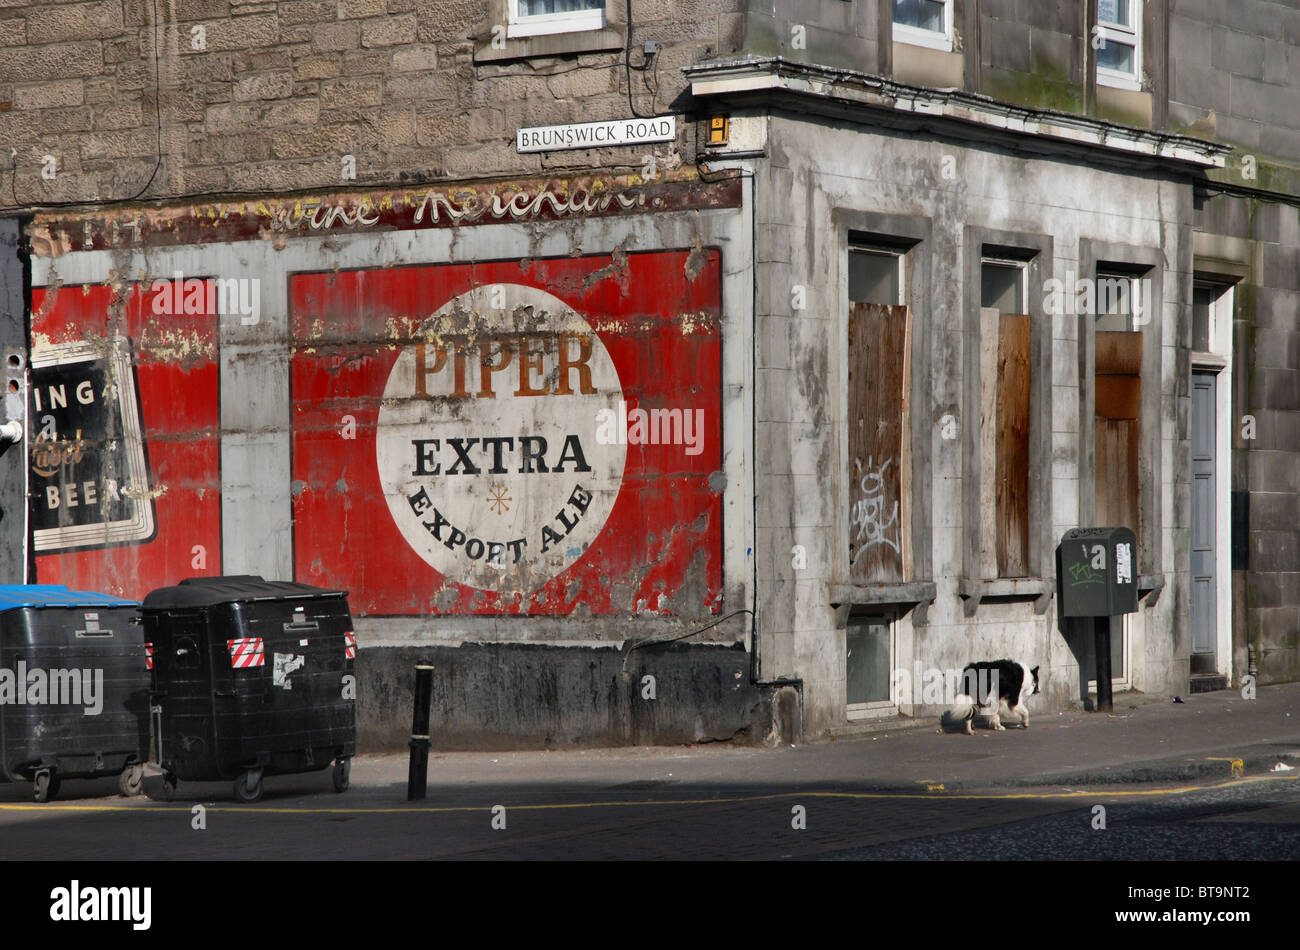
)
(666, 370)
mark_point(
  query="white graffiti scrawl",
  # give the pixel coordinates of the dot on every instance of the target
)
(868, 515)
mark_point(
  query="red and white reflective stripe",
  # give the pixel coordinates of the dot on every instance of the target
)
(148, 655)
(246, 652)
(350, 641)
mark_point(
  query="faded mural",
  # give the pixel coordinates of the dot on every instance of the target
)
(124, 459)
(510, 437)
(536, 436)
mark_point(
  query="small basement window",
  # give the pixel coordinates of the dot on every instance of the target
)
(867, 663)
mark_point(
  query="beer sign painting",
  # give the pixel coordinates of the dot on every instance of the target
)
(513, 437)
(124, 464)
(87, 458)
(472, 529)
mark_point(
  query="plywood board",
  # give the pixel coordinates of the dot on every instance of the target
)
(1012, 496)
(878, 373)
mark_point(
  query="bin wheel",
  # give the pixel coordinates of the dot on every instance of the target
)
(131, 781)
(342, 771)
(167, 790)
(248, 787)
(47, 786)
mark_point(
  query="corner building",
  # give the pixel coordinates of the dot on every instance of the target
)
(750, 427)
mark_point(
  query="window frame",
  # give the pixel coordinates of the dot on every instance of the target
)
(1132, 279)
(931, 39)
(1019, 264)
(1133, 274)
(549, 24)
(875, 708)
(1218, 360)
(1121, 680)
(899, 255)
(1220, 321)
(1125, 36)
(895, 248)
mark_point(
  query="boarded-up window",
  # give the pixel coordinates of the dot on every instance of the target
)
(1118, 392)
(1004, 444)
(879, 342)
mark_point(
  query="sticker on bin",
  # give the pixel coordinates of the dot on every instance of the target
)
(246, 652)
(350, 645)
(148, 655)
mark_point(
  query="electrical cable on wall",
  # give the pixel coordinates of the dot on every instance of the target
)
(157, 111)
(628, 67)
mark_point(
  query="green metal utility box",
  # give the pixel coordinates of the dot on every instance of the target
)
(1096, 572)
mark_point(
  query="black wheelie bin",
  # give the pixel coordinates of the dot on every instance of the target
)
(251, 678)
(74, 688)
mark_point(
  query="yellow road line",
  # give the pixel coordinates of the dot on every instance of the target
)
(737, 800)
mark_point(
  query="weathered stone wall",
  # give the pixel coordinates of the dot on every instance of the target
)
(1235, 77)
(813, 193)
(280, 92)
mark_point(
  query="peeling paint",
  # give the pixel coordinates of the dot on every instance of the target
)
(143, 494)
(696, 260)
(542, 200)
(358, 338)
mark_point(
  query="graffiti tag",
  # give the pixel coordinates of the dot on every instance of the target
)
(1084, 574)
(871, 515)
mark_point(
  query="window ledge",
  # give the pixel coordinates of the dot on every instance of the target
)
(1117, 80)
(928, 39)
(917, 592)
(974, 590)
(1149, 588)
(550, 44)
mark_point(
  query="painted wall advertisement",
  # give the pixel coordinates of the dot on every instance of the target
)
(535, 437)
(124, 468)
(511, 437)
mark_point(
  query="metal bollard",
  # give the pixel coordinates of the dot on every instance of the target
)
(1101, 641)
(418, 775)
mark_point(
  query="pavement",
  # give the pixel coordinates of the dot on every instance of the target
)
(1207, 736)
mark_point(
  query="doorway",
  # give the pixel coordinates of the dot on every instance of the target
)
(1204, 606)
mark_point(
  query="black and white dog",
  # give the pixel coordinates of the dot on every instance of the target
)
(1000, 684)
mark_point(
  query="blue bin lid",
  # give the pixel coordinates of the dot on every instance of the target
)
(14, 596)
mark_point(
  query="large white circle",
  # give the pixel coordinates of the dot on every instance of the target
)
(502, 486)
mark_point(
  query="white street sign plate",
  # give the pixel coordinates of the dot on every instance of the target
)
(550, 138)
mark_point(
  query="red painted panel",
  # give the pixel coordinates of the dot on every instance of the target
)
(176, 374)
(660, 548)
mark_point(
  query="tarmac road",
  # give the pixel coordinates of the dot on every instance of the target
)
(301, 818)
(1214, 777)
